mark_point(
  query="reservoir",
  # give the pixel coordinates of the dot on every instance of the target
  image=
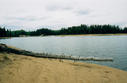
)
(84, 46)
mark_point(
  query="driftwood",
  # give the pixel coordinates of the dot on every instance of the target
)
(7, 49)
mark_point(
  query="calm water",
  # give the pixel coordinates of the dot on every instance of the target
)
(85, 46)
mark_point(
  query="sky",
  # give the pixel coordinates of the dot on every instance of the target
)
(56, 14)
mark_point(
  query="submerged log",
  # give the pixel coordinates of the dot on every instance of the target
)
(8, 49)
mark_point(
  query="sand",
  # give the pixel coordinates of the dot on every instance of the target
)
(25, 69)
(117, 34)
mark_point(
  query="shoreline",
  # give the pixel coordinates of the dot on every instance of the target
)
(10, 49)
(26, 69)
(20, 68)
(115, 34)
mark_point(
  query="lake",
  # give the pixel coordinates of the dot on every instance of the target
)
(85, 46)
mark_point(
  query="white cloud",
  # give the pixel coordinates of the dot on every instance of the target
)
(54, 14)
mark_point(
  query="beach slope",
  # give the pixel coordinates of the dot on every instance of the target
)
(26, 69)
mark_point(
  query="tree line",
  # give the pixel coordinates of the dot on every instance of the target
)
(82, 29)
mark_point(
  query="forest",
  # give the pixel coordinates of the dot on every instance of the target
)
(82, 29)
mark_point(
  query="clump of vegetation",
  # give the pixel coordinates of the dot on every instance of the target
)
(82, 29)
(4, 60)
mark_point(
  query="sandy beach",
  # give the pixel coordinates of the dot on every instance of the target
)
(26, 69)
(117, 34)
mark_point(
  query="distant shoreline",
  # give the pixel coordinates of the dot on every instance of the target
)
(116, 34)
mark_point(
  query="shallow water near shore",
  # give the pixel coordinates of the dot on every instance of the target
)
(84, 46)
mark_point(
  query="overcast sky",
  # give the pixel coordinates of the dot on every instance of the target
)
(54, 14)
